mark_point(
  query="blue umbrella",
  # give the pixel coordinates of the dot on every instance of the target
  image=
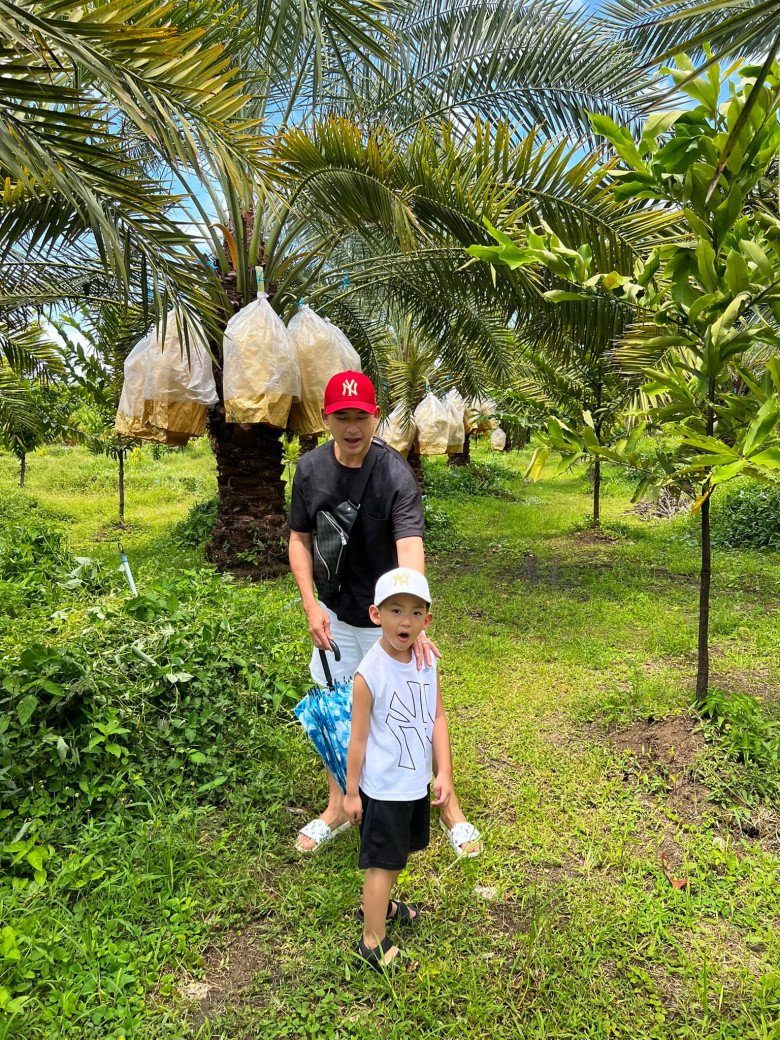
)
(326, 716)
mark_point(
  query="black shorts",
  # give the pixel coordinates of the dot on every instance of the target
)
(389, 831)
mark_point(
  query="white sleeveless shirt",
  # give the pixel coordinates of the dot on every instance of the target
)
(399, 751)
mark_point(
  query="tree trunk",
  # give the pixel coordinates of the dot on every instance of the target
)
(249, 536)
(22, 468)
(414, 458)
(308, 442)
(250, 532)
(597, 492)
(461, 458)
(703, 662)
(705, 576)
(121, 458)
(509, 442)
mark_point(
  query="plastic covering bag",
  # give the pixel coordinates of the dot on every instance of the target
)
(130, 414)
(456, 411)
(178, 389)
(398, 430)
(478, 416)
(433, 425)
(261, 377)
(498, 439)
(322, 350)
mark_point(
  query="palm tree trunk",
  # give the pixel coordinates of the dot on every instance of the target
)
(121, 457)
(249, 535)
(308, 442)
(22, 468)
(461, 458)
(414, 458)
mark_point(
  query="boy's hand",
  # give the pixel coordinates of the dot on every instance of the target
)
(353, 807)
(444, 789)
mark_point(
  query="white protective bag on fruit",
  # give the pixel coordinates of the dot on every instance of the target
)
(480, 418)
(398, 430)
(261, 377)
(456, 410)
(433, 425)
(322, 350)
(130, 413)
(179, 384)
(498, 439)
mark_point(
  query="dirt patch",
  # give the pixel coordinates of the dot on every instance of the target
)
(673, 742)
(593, 536)
(667, 749)
(112, 531)
(509, 918)
(229, 970)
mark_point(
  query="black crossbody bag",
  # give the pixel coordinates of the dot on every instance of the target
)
(332, 528)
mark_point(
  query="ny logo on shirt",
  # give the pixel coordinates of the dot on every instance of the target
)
(349, 388)
(408, 722)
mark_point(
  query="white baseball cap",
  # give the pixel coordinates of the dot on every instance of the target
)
(402, 579)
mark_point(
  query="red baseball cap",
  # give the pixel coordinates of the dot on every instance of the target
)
(349, 390)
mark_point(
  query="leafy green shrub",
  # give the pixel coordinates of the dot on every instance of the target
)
(36, 566)
(749, 738)
(747, 516)
(138, 695)
(483, 479)
(439, 533)
(194, 530)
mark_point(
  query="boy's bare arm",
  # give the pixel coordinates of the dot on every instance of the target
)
(356, 753)
(442, 753)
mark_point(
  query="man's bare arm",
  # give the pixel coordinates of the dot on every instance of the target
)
(411, 553)
(302, 567)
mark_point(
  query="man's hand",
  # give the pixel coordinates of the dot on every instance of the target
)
(319, 627)
(424, 650)
(444, 789)
(353, 807)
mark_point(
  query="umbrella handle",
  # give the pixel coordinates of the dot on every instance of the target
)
(325, 666)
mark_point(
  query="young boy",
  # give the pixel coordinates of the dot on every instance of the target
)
(398, 727)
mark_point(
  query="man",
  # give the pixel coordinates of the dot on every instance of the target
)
(387, 533)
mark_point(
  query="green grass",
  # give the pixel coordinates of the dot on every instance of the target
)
(548, 635)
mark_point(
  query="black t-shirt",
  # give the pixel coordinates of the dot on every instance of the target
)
(391, 508)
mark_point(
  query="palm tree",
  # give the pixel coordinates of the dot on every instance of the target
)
(398, 226)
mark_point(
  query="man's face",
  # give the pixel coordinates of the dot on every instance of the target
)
(352, 430)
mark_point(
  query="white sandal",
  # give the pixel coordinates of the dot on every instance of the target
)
(320, 833)
(462, 834)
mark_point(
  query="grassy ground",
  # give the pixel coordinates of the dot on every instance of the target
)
(568, 926)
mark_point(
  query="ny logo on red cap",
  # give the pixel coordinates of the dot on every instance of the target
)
(349, 388)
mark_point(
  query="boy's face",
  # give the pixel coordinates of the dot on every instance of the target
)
(402, 617)
(352, 430)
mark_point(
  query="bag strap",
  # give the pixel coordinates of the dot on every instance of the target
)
(365, 472)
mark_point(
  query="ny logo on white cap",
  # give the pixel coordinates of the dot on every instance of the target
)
(349, 388)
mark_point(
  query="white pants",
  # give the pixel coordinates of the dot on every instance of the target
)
(354, 644)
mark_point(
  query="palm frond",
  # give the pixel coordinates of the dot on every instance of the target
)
(659, 30)
(537, 64)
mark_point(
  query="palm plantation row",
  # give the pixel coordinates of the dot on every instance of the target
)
(357, 152)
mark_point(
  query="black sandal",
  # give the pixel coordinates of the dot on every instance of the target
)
(403, 914)
(375, 959)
